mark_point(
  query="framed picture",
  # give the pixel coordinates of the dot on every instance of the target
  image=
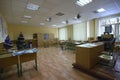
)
(46, 36)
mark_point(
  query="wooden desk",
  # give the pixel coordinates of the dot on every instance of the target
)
(8, 59)
(27, 57)
(87, 54)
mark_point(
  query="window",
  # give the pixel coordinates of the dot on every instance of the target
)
(79, 31)
(114, 22)
(63, 34)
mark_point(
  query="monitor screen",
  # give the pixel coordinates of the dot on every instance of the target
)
(108, 29)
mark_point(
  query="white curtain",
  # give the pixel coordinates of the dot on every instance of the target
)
(117, 32)
(80, 31)
(63, 34)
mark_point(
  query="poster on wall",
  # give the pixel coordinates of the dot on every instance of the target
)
(46, 36)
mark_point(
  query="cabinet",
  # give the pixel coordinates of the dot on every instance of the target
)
(34, 41)
(42, 39)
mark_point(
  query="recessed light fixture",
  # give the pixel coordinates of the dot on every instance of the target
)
(83, 2)
(54, 25)
(24, 21)
(64, 22)
(101, 10)
(75, 18)
(25, 16)
(49, 19)
(42, 24)
(32, 6)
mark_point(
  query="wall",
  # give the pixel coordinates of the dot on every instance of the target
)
(14, 30)
(92, 28)
(96, 28)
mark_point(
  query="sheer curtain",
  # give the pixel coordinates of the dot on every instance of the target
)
(80, 31)
(63, 34)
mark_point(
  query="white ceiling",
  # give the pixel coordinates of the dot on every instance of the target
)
(14, 10)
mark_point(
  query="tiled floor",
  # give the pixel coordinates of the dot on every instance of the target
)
(53, 64)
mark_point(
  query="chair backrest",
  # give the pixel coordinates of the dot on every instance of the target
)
(107, 37)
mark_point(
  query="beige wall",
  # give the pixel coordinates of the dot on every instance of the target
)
(96, 28)
(14, 30)
(92, 28)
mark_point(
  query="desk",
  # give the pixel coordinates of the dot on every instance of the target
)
(18, 58)
(7, 59)
(27, 57)
(87, 54)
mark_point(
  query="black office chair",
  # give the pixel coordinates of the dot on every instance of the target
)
(109, 45)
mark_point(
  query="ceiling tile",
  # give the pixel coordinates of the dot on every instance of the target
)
(14, 10)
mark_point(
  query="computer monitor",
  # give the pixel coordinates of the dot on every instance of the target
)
(108, 28)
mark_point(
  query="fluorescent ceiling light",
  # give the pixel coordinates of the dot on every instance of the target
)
(101, 10)
(49, 19)
(64, 22)
(24, 21)
(75, 18)
(42, 23)
(83, 2)
(25, 16)
(54, 25)
(32, 6)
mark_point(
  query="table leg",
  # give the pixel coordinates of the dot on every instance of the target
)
(20, 69)
(36, 64)
(1, 70)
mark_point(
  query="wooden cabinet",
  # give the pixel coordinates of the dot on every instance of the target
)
(42, 39)
(34, 41)
(87, 54)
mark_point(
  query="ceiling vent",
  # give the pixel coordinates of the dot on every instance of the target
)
(59, 14)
